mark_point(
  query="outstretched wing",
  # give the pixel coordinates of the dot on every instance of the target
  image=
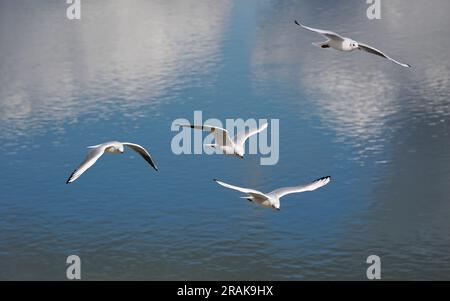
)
(325, 33)
(141, 151)
(241, 189)
(90, 159)
(242, 137)
(375, 51)
(220, 135)
(302, 188)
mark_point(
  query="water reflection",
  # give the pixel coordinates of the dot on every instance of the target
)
(395, 120)
(358, 95)
(131, 67)
(120, 56)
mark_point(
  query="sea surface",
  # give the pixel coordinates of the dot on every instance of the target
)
(128, 69)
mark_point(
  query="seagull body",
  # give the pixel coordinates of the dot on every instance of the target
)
(272, 199)
(229, 146)
(113, 147)
(341, 43)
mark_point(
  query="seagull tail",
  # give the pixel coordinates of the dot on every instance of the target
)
(321, 44)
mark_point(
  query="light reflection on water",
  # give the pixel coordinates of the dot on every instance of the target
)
(129, 68)
(105, 63)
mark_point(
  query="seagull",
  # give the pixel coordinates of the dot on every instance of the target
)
(224, 142)
(341, 43)
(113, 147)
(272, 199)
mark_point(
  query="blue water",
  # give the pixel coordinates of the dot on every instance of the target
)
(127, 69)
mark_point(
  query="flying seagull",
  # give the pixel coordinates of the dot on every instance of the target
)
(341, 43)
(114, 147)
(272, 199)
(224, 142)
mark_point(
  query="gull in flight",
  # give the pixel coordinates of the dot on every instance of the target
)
(341, 43)
(113, 147)
(272, 199)
(224, 142)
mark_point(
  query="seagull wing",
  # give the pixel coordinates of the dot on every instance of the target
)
(221, 135)
(302, 188)
(375, 51)
(141, 151)
(241, 189)
(242, 137)
(90, 159)
(325, 33)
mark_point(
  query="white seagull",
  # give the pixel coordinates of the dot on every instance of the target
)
(341, 43)
(272, 199)
(113, 147)
(224, 142)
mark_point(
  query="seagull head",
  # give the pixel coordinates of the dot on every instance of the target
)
(275, 203)
(239, 153)
(354, 45)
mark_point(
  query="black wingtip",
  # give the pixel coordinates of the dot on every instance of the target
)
(296, 22)
(70, 177)
(215, 180)
(324, 178)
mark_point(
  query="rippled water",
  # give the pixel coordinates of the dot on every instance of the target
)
(129, 68)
